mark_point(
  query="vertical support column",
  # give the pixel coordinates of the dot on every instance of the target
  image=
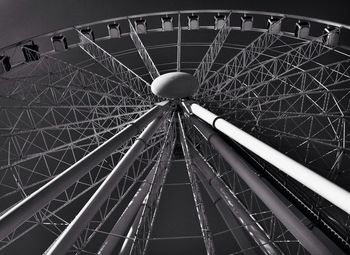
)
(178, 56)
(71, 233)
(145, 223)
(242, 237)
(133, 209)
(127, 245)
(310, 242)
(25, 209)
(209, 179)
(120, 228)
(204, 224)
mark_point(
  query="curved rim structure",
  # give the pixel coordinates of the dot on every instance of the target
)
(87, 152)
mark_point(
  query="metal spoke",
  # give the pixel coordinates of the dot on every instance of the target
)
(265, 139)
(67, 237)
(16, 215)
(309, 241)
(146, 218)
(337, 200)
(51, 73)
(316, 94)
(240, 62)
(178, 47)
(51, 160)
(214, 49)
(115, 67)
(81, 187)
(151, 68)
(204, 224)
(271, 69)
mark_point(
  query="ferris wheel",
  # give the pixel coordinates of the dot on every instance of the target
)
(110, 130)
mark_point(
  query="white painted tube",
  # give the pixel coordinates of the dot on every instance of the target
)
(315, 182)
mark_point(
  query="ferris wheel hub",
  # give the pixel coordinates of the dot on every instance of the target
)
(175, 85)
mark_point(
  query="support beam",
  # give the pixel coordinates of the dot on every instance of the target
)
(144, 226)
(104, 213)
(229, 205)
(242, 237)
(268, 70)
(55, 75)
(178, 54)
(78, 189)
(127, 245)
(320, 185)
(203, 221)
(151, 68)
(238, 213)
(71, 233)
(239, 62)
(309, 241)
(25, 209)
(214, 49)
(66, 146)
(115, 238)
(84, 124)
(115, 67)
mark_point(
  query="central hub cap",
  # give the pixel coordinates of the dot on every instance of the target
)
(175, 85)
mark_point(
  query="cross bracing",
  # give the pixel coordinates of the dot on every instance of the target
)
(290, 92)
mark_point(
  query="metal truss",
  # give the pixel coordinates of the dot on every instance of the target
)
(49, 218)
(72, 166)
(214, 49)
(56, 110)
(302, 101)
(238, 220)
(178, 46)
(232, 76)
(313, 202)
(322, 216)
(152, 69)
(148, 211)
(38, 199)
(67, 237)
(238, 63)
(262, 215)
(130, 181)
(204, 224)
(115, 67)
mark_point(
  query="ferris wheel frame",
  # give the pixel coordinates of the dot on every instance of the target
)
(214, 83)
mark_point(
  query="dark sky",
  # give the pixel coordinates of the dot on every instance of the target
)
(20, 19)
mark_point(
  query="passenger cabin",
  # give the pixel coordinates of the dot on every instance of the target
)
(114, 30)
(167, 24)
(193, 22)
(331, 36)
(274, 25)
(59, 43)
(246, 23)
(219, 21)
(302, 29)
(141, 26)
(88, 35)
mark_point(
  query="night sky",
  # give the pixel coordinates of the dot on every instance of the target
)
(20, 19)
